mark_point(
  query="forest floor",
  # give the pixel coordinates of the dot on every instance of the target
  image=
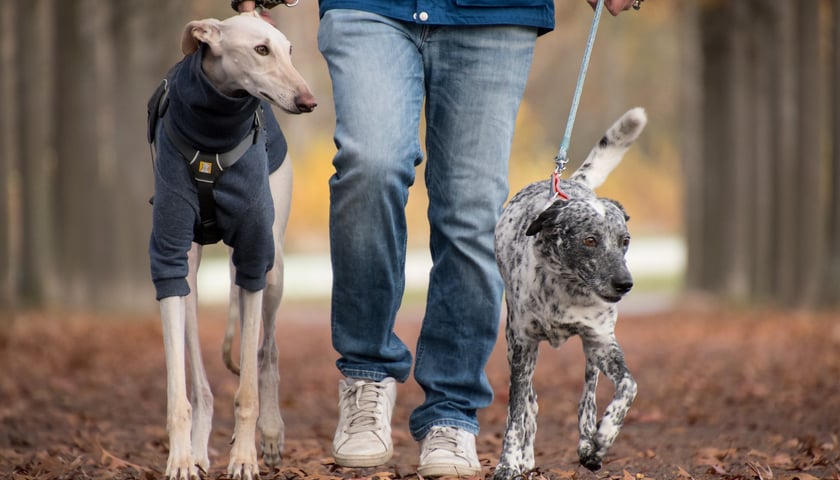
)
(722, 395)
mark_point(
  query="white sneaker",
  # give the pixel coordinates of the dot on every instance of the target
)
(449, 452)
(363, 435)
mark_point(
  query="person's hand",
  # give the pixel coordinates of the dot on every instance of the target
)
(250, 6)
(613, 6)
(247, 6)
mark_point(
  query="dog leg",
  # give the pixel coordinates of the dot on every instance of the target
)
(270, 422)
(243, 454)
(518, 443)
(588, 418)
(615, 368)
(233, 321)
(201, 397)
(609, 359)
(181, 464)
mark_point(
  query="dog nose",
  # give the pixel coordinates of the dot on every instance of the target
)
(622, 285)
(305, 102)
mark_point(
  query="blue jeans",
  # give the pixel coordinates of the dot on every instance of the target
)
(471, 79)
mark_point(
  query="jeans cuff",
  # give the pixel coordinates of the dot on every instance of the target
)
(360, 374)
(421, 433)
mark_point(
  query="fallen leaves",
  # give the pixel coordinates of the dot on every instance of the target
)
(722, 396)
(683, 474)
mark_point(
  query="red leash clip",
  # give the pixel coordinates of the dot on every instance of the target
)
(555, 187)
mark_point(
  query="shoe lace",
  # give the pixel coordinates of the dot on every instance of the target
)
(444, 438)
(363, 401)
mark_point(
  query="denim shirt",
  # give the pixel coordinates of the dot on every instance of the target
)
(532, 13)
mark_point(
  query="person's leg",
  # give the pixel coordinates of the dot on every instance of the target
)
(377, 79)
(475, 80)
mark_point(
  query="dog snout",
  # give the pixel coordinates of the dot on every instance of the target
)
(305, 102)
(622, 285)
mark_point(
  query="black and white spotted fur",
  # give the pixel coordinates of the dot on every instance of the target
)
(564, 272)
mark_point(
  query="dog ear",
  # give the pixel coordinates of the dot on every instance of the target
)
(547, 214)
(620, 207)
(535, 226)
(205, 31)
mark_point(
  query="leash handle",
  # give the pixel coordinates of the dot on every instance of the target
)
(562, 155)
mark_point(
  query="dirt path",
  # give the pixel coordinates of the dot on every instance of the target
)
(722, 395)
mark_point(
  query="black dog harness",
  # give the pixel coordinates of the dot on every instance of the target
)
(206, 167)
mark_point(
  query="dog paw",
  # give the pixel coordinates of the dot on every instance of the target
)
(271, 452)
(592, 463)
(243, 471)
(588, 455)
(182, 473)
(181, 466)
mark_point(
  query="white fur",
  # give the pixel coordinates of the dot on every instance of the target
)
(235, 62)
(602, 159)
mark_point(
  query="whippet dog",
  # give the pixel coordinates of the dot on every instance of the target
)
(216, 98)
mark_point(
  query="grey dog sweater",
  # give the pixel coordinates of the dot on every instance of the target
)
(213, 122)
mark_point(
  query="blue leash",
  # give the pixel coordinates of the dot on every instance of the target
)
(562, 159)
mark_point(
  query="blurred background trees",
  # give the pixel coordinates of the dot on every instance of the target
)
(760, 150)
(740, 157)
(76, 172)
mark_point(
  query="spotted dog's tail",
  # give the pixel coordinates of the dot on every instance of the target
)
(609, 151)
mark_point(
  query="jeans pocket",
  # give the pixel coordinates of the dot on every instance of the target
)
(500, 3)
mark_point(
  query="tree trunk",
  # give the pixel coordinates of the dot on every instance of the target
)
(691, 140)
(762, 220)
(37, 155)
(9, 173)
(831, 283)
(808, 182)
(784, 149)
(742, 161)
(78, 204)
(712, 224)
(141, 66)
(105, 170)
(756, 200)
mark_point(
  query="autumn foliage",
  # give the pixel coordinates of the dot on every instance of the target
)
(722, 395)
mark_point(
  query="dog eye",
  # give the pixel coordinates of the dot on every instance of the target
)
(590, 242)
(261, 50)
(625, 242)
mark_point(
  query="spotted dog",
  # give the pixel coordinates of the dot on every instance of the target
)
(564, 272)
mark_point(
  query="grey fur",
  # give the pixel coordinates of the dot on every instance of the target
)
(564, 271)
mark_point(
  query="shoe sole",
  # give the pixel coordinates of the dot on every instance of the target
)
(444, 470)
(361, 461)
